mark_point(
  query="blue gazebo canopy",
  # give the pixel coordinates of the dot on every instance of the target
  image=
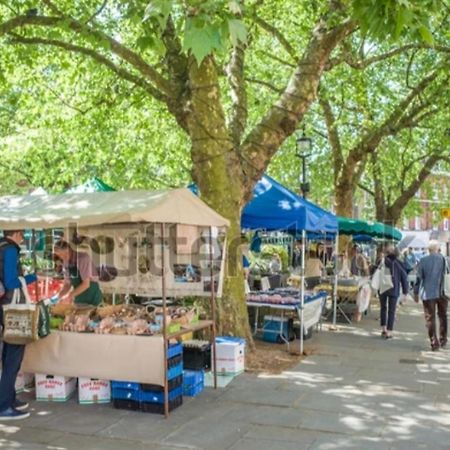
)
(275, 207)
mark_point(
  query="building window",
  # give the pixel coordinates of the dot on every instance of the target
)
(445, 224)
(418, 193)
(405, 223)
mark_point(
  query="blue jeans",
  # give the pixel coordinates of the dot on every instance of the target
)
(387, 308)
(12, 356)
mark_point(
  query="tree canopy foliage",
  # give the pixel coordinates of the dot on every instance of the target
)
(155, 92)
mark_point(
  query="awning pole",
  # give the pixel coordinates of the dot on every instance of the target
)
(302, 292)
(336, 254)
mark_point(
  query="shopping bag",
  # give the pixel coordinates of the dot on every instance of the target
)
(382, 279)
(20, 320)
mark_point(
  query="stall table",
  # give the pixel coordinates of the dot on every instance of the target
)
(137, 359)
(312, 308)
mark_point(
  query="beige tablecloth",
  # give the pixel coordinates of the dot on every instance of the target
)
(108, 357)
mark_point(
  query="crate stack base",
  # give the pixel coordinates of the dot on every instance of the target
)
(193, 382)
(150, 397)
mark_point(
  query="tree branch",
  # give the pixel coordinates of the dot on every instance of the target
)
(277, 35)
(239, 113)
(122, 73)
(278, 59)
(98, 12)
(333, 133)
(266, 84)
(283, 117)
(81, 29)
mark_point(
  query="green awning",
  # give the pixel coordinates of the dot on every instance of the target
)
(92, 185)
(374, 229)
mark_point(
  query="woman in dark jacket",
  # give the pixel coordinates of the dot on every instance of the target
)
(389, 298)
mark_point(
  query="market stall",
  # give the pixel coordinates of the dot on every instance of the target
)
(274, 207)
(353, 293)
(160, 244)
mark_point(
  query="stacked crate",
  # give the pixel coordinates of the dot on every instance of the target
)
(193, 382)
(150, 397)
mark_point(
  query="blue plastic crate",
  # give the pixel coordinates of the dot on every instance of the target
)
(125, 394)
(174, 372)
(125, 385)
(193, 391)
(158, 397)
(174, 350)
(193, 378)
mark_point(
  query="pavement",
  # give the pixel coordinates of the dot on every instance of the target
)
(355, 391)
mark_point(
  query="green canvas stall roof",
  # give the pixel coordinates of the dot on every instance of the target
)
(92, 185)
(178, 206)
(373, 229)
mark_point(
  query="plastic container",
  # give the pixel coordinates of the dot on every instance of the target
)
(158, 408)
(196, 355)
(193, 391)
(174, 350)
(158, 397)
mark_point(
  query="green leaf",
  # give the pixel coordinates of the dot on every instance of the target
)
(201, 41)
(238, 31)
(426, 34)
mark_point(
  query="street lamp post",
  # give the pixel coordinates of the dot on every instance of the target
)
(304, 145)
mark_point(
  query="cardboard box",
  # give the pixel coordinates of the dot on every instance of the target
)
(230, 355)
(54, 388)
(93, 390)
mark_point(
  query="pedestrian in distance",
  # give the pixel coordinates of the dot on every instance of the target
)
(389, 298)
(11, 408)
(429, 288)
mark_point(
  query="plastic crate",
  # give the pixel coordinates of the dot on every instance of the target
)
(176, 382)
(158, 397)
(158, 408)
(172, 362)
(125, 385)
(193, 391)
(125, 394)
(175, 372)
(174, 350)
(197, 358)
(126, 404)
(193, 378)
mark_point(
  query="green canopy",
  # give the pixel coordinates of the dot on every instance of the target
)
(373, 229)
(92, 185)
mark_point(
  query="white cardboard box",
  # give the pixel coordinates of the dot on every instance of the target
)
(230, 355)
(92, 390)
(54, 388)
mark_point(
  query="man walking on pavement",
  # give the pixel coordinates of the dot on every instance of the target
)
(430, 286)
(12, 355)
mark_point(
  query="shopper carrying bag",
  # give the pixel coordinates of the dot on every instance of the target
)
(12, 408)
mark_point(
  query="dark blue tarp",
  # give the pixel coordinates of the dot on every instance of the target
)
(275, 207)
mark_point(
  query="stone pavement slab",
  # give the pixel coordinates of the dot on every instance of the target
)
(354, 391)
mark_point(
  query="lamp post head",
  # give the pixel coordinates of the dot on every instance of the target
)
(304, 144)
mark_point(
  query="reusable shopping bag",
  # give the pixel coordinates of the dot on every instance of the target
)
(382, 279)
(20, 320)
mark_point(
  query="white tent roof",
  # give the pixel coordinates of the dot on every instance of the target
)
(96, 208)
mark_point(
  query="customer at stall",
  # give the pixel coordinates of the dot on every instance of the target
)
(358, 264)
(322, 254)
(12, 355)
(314, 270)
(389, 298)
(80, 276)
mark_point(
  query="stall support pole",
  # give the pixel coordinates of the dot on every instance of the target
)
(336, 254)
(34, 257)
(163, 292)
(213, 308)
(302, 292)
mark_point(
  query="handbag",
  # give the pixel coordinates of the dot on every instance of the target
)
(20, 320)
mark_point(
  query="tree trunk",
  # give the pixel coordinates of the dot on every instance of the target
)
(215, 164)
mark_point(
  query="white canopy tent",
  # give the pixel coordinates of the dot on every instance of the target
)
(178, 206)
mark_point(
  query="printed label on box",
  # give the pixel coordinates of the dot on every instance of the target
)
(54, 388)
(92, 390)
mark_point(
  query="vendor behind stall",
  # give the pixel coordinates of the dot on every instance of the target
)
(79, 274)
